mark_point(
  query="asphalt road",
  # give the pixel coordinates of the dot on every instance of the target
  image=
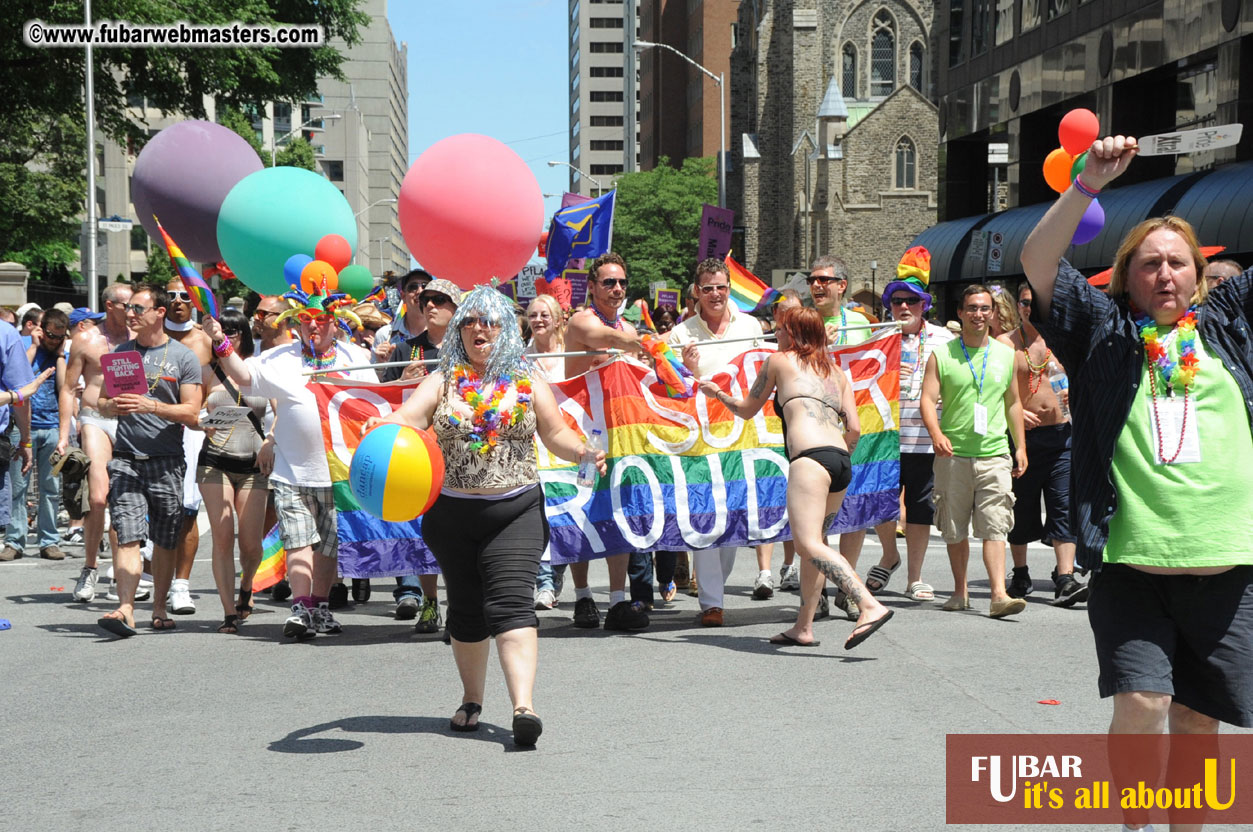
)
(678, 727)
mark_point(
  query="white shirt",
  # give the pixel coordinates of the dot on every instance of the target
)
(713, 355)
(300, 455)
(914, 436)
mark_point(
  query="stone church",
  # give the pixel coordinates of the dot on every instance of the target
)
(834, 138)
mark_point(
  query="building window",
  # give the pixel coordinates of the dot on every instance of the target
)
(882, 56)
(980, 26)
(906, 165)
(606, 95)
(334, 170)
(956, 18)
(606, 144)
(574, 61)
(1058, 8)
(574, 85)
(602, 46)
(1003, 26)
(606, 170)
(735, 35)
(1030, 15)
(574, 36)
(916, 55)
(574, 106)
(605, 71)
(848, 71)
(605, 23)
(606, 121)
(574, 10)
(282, 118)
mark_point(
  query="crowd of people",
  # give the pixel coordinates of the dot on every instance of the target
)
(1162, 369)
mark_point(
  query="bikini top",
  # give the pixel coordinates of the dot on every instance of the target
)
(778, 408)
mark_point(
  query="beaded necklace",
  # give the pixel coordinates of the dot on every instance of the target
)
(488, 417)
(1035, 372)
(310, 358)
(1160, 363)
(616, 323)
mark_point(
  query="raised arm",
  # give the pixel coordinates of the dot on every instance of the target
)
(747, 407)
(1108, 158)
(596, 336)
(236, 368)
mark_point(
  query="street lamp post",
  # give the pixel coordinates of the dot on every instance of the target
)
(275, 143)
(388, 201)
(580, 172)
(381, 241)
(90, 267)
(722, 115)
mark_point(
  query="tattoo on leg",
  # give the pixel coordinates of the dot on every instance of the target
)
(840, 576)
(827, 521)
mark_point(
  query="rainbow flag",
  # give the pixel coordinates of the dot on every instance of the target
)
(747, 290)
(678, 379)
(273, 566)
(201, 295)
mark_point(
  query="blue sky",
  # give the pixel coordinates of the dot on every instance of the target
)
(493, 67)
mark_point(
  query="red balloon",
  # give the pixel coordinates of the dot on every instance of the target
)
(1079, 128)
(335, 250)
(318, 277)
(468, 210)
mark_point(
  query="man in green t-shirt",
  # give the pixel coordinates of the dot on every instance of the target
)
(974, 376)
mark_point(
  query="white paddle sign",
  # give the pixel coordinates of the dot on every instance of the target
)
(1191, 141)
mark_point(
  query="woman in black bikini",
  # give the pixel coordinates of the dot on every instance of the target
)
(814, 401)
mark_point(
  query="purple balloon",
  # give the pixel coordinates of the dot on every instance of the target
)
(1090, 224)
(182, 175)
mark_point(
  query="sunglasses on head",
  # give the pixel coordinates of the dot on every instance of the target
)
(310, 316)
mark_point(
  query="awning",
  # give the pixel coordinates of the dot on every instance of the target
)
(943, 241)
(1220, 206)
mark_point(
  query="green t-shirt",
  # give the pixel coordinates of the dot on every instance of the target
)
(959, 390)
(1185, 514)
(851, 318)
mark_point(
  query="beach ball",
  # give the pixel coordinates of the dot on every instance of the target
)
(397, 472)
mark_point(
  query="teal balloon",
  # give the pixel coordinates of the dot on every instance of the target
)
(1077, 168)
(273, 214)
(356, 281)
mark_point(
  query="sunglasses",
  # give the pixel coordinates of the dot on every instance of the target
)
(233, 333)
(610, 282)
(261, 315)
(1024, 303)
(823, 279)
(309, 316)
(479, 320)
(906, 301)
(137, 308)
(415, 287)
(185, 297)
(709, 289)
(435, 298)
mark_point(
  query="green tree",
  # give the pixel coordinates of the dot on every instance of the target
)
(233, 119)
(159, 269)
(42, 185)
(297, 153)
(656, 224)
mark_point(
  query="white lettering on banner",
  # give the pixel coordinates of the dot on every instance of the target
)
(753, 363)
(574, 507)
(658, 526)
(659, 406)
(737, 426)
(596, 398)
(693, 538)
(749, 456)
(359, 394)
(871, 382)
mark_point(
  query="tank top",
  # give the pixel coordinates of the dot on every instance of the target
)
(511, 464)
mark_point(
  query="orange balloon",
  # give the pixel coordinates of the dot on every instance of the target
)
(317, 273)
(1056, 170)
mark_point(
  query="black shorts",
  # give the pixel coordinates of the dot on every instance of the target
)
(1183, 635)
(1047, 476)
(836, 461)
(917, 481)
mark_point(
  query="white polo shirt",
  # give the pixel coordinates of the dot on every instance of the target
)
(714, 355)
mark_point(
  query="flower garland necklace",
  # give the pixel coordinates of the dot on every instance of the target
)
(488, 417)
(312, 360)
(1160, 363)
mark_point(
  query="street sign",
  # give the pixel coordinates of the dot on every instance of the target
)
(978, 245)
(995, 254)
(115, 223)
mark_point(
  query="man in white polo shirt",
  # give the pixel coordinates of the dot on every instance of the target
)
(716, 320)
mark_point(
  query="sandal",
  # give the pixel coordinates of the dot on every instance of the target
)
(920, 591)
(669, 591)
(877, 578)
(527, 726)
(230, 625)
(243, 607)
(162, 623)
(471, 710)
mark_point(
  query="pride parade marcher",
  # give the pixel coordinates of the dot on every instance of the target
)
(1048, 459)
(301, 478)
(1162, 478)
(909, 301)
(814, 401)
(974, 376)
(487, 529)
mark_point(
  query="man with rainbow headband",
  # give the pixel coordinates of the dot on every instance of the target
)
(908, 301)
(301, 478)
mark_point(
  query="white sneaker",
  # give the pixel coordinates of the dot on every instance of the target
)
(763, 586)
(790, 577)
(324, 620)
(180, 598)
(300, 623)
(142, 593)
(545, 600)
(85, 588)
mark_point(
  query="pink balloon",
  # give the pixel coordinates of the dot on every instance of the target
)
(470, 210)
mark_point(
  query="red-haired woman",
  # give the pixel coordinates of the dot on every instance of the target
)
(814, 401)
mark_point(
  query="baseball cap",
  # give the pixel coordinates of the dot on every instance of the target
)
(82, 313)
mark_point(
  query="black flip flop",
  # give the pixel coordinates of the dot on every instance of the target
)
(527, 726)
(857, 638)
(116, 626)
(471, 710)
(785, 639)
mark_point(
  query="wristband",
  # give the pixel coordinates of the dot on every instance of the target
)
(1084, 189)
(18, 394)
(223, 349)
(28, 445)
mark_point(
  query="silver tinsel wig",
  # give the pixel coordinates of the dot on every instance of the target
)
(507, 353)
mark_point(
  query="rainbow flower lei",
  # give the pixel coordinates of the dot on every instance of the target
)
(1186, 367)
(488, 418)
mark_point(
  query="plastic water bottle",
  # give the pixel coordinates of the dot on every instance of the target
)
(587, 464)
(1061, 387)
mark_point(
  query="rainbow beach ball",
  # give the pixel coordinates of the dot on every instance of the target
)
(397, 472)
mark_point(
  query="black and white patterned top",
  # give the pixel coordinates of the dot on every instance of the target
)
(511, 464)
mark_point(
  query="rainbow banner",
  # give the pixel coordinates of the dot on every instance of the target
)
(273, 566)
(683, 474)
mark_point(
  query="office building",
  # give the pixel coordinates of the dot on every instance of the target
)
(598, 95)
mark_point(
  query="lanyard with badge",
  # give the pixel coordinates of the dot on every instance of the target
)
(981, 412)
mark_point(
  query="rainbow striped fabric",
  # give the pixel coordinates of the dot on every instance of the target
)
(201, 295)
(747, 290)
(273, 566)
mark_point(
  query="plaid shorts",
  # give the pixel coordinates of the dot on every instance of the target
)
(306, 517)
(146, 499)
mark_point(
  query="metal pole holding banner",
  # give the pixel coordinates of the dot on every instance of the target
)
(382, 364)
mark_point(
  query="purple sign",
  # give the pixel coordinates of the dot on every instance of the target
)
(667, 297)
(715, 232)
(578, 286)
(508, 290)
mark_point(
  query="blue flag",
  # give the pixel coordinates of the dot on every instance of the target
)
(580, 231)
